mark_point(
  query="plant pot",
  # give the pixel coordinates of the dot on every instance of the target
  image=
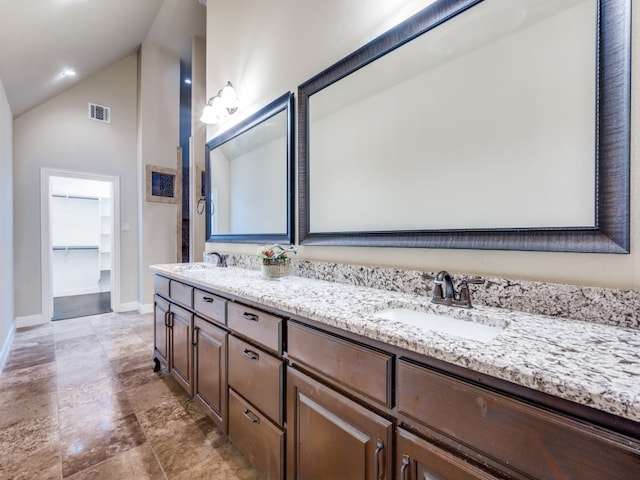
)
(276, 268)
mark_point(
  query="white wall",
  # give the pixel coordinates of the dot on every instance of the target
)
(6, 232)
(57, 134)
(158, 139)
(267, 48)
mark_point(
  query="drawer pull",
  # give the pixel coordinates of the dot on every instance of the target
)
(379, 448)
(404, 471)
(250, 316)
(207, 299)
(195, 333)
(251, 354)
(252, 418)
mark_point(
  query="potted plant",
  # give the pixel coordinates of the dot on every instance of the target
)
(275, 262)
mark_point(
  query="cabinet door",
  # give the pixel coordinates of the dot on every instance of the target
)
(330, 436)
(418, 459)
(160, 331)
(180, 352)
(209, 370)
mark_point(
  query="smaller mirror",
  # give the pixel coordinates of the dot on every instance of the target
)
(249, 173)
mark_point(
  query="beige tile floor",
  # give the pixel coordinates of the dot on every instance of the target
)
(79, 400)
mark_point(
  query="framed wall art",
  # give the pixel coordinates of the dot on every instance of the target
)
(163, 184)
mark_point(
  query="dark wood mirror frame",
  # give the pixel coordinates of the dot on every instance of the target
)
(285, 103)
(611, 233)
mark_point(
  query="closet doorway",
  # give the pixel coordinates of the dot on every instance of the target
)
(78, 257)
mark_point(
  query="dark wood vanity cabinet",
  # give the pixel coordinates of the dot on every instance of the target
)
(306, 402)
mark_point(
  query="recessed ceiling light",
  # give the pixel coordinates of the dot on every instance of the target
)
(69, 72)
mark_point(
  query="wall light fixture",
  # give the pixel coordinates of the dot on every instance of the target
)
(222, 105)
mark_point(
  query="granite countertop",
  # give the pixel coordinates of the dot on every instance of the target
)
(588, 363)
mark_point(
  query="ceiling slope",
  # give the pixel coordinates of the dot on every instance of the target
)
(39, 39)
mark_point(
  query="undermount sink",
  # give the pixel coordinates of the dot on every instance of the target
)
(441, 323)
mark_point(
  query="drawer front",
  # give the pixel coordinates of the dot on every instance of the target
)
(352, 366)
(260, 441)
(181, 293)
(161, 285)
(259, 326)
(257, 376)
(210, 306)
(530, 439)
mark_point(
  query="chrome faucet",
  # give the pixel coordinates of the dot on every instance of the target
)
(444, 292)
(222, 259)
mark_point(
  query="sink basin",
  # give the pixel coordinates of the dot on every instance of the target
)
(441, 323)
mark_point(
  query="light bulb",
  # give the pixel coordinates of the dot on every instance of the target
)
(229, 97)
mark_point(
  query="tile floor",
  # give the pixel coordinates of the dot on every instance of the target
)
(79, 400)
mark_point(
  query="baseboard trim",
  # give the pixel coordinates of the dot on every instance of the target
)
(126, 307)
(30, 321)
(145, 308)
(4, 352)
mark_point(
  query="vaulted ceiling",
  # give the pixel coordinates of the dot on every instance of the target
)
(39, 39)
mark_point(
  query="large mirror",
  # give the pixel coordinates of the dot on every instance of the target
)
(249, 178)
(475, 124)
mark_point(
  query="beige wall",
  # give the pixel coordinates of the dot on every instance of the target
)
(267, 48)
(57, 134)
(158, 139)
(6, 220)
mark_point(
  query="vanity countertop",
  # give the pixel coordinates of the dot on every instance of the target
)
(588, 363)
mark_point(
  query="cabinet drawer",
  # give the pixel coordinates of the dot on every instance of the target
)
(257, 376)
(161, 285)
(210, 306)
(530, 439)
(259, 326)
(181, 293)
(354, 367)
(260, 441)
